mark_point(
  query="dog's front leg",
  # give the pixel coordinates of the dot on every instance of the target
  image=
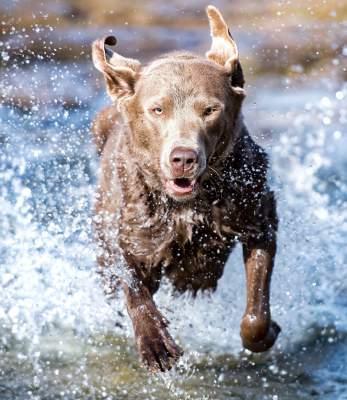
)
(157, 349)
(258, 331)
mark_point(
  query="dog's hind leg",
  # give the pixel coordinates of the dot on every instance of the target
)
(258, 331)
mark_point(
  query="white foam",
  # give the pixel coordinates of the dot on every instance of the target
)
(48, 279)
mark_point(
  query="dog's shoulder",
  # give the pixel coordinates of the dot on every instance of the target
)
(107, 121)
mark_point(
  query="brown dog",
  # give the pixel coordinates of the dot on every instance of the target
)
(181, 182)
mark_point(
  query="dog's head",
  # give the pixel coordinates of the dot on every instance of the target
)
(182, 109)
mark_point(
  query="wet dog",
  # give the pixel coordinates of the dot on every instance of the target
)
(181, 183)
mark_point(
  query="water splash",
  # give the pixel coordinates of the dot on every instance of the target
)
(52, 308)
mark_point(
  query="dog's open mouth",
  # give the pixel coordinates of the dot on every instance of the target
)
(181, 186)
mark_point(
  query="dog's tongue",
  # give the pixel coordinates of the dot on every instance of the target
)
(181, 185)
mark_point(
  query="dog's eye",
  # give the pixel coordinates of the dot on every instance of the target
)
(157, 110)
(209, 110)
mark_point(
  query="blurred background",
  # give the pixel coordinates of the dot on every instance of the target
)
(60, 338)
(294, 39)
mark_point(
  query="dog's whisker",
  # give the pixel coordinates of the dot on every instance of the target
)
(216, 172)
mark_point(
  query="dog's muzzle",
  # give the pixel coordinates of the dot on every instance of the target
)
(184, 170)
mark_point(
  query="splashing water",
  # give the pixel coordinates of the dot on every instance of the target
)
(61, 338)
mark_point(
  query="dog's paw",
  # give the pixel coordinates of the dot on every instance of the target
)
(157, 350)
(259, 345)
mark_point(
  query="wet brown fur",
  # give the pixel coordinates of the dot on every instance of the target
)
(144, 234)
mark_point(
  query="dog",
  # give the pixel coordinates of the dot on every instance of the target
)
(181, 183)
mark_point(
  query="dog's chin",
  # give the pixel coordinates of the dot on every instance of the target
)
(182, 189)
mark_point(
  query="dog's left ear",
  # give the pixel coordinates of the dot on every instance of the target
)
(120, 73)
(224, 50)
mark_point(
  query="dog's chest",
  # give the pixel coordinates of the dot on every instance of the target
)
(164, 236)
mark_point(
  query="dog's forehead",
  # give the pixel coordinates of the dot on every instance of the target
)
(186, 73)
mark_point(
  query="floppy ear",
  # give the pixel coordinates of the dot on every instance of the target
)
(120, 73)
(224, 50)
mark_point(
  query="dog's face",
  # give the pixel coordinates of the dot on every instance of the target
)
(181, 115)
(181, 109)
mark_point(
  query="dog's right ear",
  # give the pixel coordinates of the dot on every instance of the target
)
(224, 49)
(120, 73)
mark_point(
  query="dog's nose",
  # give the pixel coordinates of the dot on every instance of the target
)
(183, 160)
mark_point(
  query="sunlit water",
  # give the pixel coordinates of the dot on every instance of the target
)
(62, 339)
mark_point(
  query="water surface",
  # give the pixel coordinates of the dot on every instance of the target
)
(62, 339)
